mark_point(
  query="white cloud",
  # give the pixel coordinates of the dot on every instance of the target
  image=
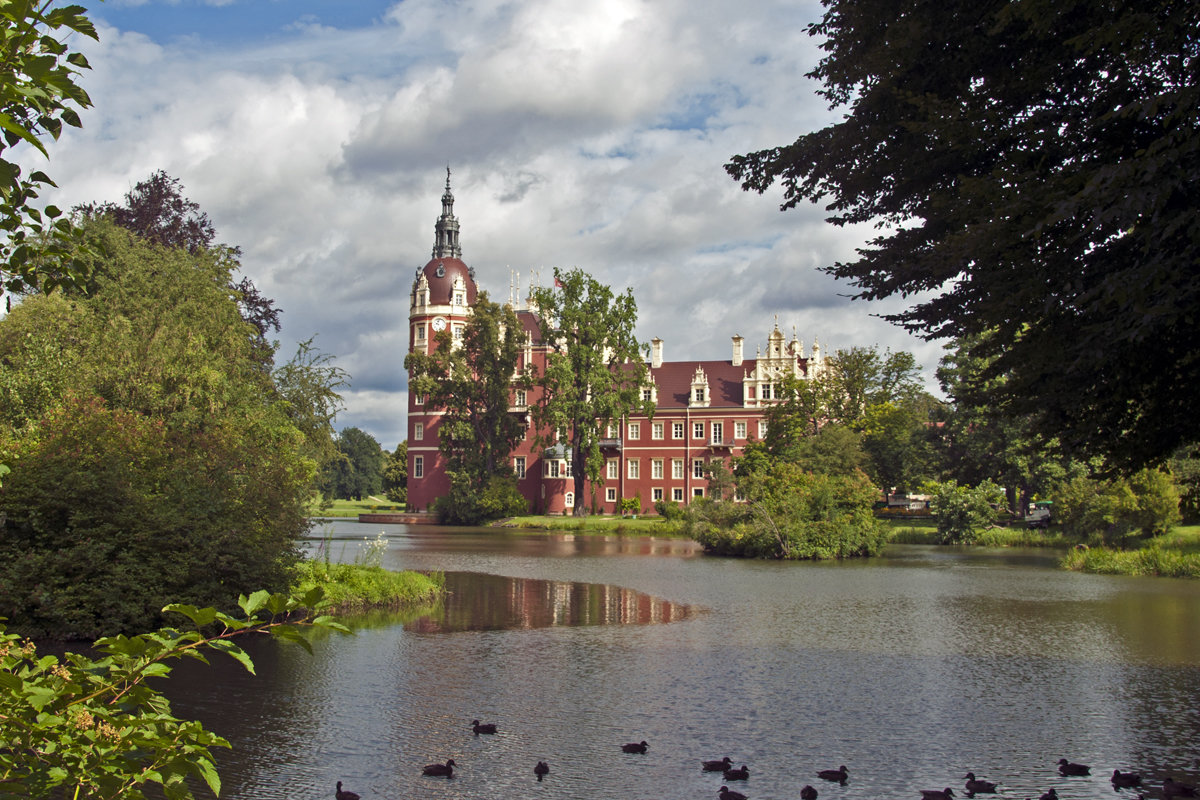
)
(579, 134)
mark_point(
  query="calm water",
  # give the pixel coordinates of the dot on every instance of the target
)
(911, 670)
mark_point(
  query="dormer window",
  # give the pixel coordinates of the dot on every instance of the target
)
(699, 393)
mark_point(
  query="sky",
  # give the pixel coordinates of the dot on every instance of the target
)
(316, 135)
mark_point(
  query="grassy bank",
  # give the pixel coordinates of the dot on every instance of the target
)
(643, 526)
(1173, 555)
(358, 587)
(903, 531)
(352, 508)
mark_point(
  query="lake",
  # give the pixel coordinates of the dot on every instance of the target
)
(911, 669)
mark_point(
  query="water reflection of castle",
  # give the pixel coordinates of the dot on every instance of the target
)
(476, 601)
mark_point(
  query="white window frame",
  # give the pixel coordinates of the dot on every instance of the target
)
(697, 430)
(634, 469)
(418, 466)
(762, 429)
(418, 431)
(677, 494)
(677, 469)
(610, 494)
(656, 430)
(519, 467)
(717, 430)
(739, 430)
(697, 491)
(698, 468)
(656, 468)
(677, 430)
(522, 398)
(656, 493)
(635, 430)
(614, 469)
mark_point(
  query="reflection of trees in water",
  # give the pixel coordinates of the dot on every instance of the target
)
(475, 601)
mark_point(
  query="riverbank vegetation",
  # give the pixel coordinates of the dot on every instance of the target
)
(595, 523)
(156, 453)
(82, 727)
(363, 584)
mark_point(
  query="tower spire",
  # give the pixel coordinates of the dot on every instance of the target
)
(445, 237)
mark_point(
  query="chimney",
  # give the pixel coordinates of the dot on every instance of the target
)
(656, 352)
(737, 350)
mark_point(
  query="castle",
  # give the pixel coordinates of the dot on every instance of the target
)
(704, 410)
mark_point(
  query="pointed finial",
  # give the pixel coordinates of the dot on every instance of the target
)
(447, 176)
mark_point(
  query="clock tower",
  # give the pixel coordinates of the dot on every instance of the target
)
(443, 293)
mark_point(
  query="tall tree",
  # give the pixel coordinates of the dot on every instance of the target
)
(359, 471)
(472, 381)
(157, 210)
(1035, 166)
(38, 95)
(595, 369)
(395, 474)
(152, 458)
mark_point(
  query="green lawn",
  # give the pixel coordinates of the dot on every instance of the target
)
(352, 508)
(643, 525)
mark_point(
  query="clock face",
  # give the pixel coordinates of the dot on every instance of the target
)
(439, 324)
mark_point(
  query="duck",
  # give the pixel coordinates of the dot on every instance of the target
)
(979, 787)
(1051, 794)
(343, 794)
(1068, 768)
(742, 774)
(1125, 779)
(934, 794)
(541, 770)
(632, 747)
(441, 770)
(725, 793)
(1174, 788)
(716, 766)
(836, 775)
(487, 728)
(808, 793)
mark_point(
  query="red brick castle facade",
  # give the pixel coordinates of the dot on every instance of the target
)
(705, 410)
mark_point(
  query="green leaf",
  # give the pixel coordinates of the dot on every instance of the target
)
(252, 604)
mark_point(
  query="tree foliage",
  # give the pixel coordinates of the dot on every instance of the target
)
(395, 475)
(595, 369)
(156, 210)
(39, 94)
(94, 727)
(152, 458)
(357, 470)
(788, 512)
(472, 380)
(1117, 510)
(963, 511)
(1035, 167)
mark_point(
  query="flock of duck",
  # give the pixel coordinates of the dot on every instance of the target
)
(1171, 789)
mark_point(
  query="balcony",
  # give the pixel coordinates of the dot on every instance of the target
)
(610, 444)
(721, 444)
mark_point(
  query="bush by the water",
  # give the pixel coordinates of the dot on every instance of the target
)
(963, 512)
(789, 513)
(1153, 559)
(466, 504)
(1117, 511)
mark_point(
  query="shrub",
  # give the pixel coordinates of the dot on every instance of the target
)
(963, 511)
(465, 504)
(669, 510)
(1117, 511)
(791, 513)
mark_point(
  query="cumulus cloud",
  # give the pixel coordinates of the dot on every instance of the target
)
(579, 134)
